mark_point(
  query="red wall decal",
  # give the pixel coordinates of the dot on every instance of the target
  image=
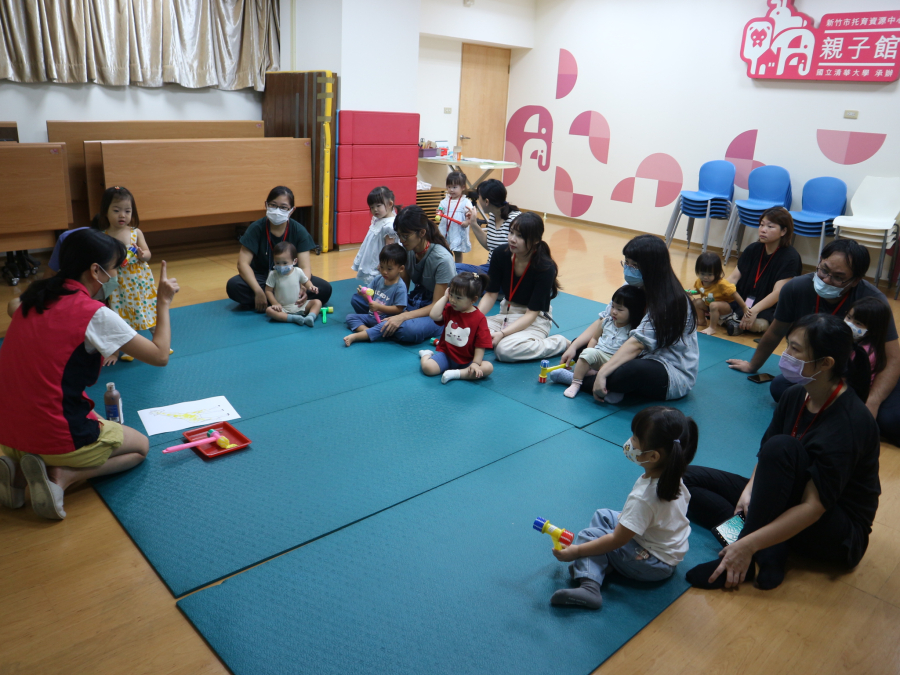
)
(660, 167)
(568, 201)
(593, 125)
(849, 46)
(740, 153)
(849, 147)
(521, 128)
(566, 73)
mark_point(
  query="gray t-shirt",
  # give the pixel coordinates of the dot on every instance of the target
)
(681, 359)
(437, 267)
(388, 295)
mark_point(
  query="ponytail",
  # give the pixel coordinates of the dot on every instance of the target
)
(675, 436)
(494, 193)
(859, 372)
(469, 284)
(413, 219)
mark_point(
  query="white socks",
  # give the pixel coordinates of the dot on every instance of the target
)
(449, 375)
(423, 353)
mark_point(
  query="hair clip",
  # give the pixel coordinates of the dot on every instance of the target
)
(676, 441)
(475, 275)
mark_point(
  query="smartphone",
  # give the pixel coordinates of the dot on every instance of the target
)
(728, 532)
(759, 378)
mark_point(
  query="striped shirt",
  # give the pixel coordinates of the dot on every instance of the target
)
(498, 237)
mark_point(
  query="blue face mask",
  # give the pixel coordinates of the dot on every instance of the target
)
(283, 269)
(825, 291)
(633, 276)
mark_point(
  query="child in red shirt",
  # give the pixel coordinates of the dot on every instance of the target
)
(460, 350)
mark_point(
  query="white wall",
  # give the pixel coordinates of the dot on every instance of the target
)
(438, 87)
(677, 85)
(31, 105)
(313, 35)
(502, 23)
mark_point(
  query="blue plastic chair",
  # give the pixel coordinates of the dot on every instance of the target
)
(823, 200)
(769, 186)
(712, 199)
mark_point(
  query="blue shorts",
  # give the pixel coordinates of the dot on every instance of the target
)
(445, 363)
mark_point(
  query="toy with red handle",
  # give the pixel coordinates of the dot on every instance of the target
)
(557, 534)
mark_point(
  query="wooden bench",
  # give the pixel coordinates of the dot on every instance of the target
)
(9, 131)
(193, 183)
(74, 134)
(34, 194)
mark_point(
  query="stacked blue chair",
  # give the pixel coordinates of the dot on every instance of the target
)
(769, 186)
(713, 199)
(823, 200)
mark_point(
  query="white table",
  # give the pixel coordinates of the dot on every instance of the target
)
(456, 164)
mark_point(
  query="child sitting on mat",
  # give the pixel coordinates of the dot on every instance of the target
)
(460, 349)
(869, 320)
(380, 234)
(283, 288)
(623, 314)
(389, 297)
(649, 537)
(714, 293)
(452, 213)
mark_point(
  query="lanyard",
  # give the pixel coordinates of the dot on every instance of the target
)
(512, 272)
(427, 246)
(761, 255)
(455, 209)
(287, 227)
(833, 396)
(840, 304)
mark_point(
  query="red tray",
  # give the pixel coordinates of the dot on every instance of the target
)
(210, 450)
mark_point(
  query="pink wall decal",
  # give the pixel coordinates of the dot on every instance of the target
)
(568, 201)
(517, 137)
(848, 147)
(593, 125)
(660, 167)
(566, 73)
(740, 153)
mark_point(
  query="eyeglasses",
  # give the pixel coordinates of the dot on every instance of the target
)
(283, 209)
(824, 273)
(631, 267)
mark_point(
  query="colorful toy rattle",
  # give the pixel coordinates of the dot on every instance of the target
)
(557, 534)
(546, 369)
(325, 312)
(367, 294)
(212, 435)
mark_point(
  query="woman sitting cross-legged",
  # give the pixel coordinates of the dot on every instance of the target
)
(815, 486)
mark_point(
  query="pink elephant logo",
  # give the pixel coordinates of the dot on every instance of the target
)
(529, 123)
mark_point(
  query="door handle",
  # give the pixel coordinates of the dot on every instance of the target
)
(464, 138)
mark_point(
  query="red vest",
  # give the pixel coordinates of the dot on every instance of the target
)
(44, 370)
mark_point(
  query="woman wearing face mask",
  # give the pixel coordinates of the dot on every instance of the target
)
(256, 257)
(815, 486)
(661, 359)
(56, 343)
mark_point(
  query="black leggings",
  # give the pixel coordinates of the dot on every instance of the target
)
(644, 377)
(239, 291)
(781, 478)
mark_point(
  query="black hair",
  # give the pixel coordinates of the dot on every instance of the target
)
(79, 251)
(531, 228)
(709, 263)
(827, 335)
(413, 219)
(780, 216)
(457, 179)
(285, 247)
(875, 314)
(667, 301)
(674, 436)
(857, 255)
(469, 284)
(494, 193)
(281, 190)
(393, 253)
(635, 301)
(101, 220)
(380, 195)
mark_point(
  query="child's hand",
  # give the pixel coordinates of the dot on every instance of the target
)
(141, 253)
(568, 554)
(476, 371)
(312, 289)
(276, 308)
(111, 360)
(447, 293)
(359, 289)
(377, 306)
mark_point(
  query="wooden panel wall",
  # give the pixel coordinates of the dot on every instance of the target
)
(34, 194)
(189, 183)
(74, 134)
(304, 105)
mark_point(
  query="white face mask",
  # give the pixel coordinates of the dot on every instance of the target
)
(276, 216)
(632, 453)
(858, 333)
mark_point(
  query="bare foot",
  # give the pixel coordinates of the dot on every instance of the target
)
(709, 331)
(354, 337)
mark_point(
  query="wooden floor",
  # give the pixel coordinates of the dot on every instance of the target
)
(78, 597)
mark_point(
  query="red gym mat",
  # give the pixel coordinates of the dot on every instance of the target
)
(363, 127)
(352, 226)
(376, 161)
(352, 193)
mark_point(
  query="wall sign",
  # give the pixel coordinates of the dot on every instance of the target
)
(849, 46)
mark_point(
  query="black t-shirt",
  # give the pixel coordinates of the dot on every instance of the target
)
(535, 290)
(798, 298)
(843, 446)
(257, 242)
(783, 264)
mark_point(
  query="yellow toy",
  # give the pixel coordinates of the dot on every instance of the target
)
(546, 369)
(557, 534)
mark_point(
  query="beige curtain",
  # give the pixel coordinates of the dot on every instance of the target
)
(229, 44)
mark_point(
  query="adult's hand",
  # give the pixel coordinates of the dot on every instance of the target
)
(743, 505)
(741, 365)
(496, 336)
(390, 325)
(600, 386)
(167, 287)
(302, 296)
(736, 560)
(260, 301)
(569, 354)
(748, 320)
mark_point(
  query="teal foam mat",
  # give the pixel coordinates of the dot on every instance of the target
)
(311, 469)
(453, 581)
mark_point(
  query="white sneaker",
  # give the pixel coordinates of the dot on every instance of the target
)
(10, 497)
(46, 496)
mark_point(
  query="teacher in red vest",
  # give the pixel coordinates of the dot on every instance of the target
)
(55, 346)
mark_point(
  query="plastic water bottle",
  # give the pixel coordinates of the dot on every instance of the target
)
(112, 400)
